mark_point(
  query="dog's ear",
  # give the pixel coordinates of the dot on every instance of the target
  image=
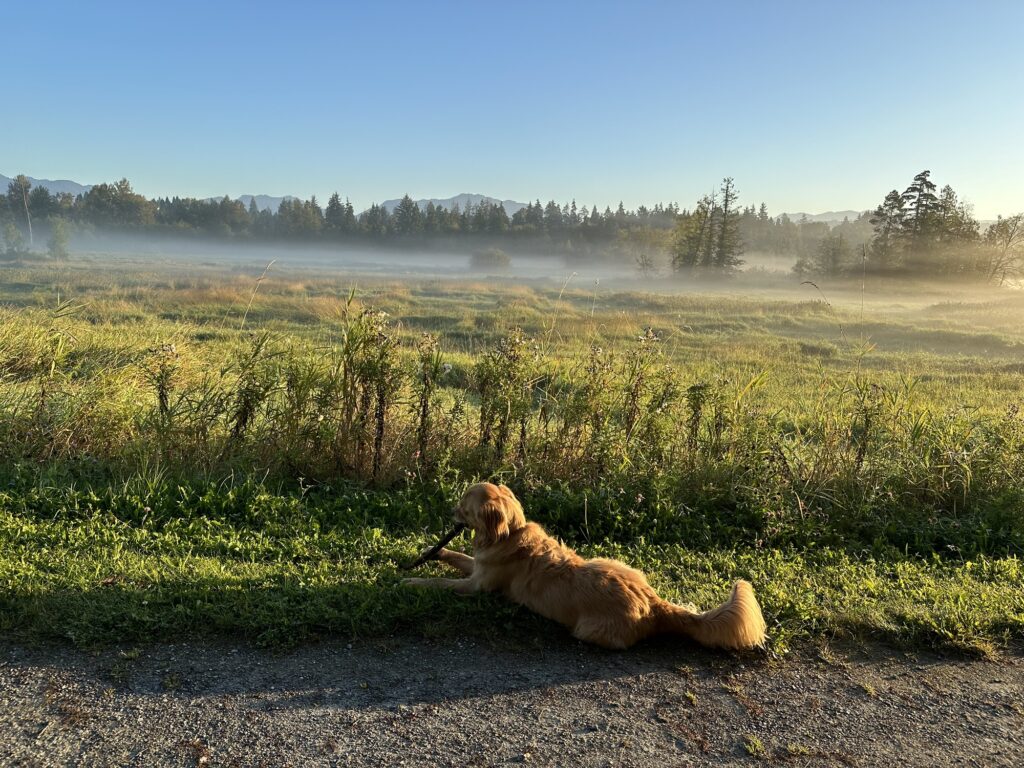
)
(505, 491)
(515, 516)
(492, 519)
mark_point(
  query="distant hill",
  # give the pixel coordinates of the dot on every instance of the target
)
(272, 203)
(55, 186)
(829, 217)
(511, 206)
(263, 202)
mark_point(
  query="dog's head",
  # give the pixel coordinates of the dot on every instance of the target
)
(492, 511)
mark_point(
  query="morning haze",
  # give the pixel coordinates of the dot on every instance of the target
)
(468, 384)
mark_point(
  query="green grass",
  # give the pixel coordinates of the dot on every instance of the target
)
(166, 470)
(284, 568)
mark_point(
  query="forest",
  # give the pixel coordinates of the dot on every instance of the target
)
(922, 231)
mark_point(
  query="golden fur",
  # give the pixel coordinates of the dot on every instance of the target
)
(602, 601)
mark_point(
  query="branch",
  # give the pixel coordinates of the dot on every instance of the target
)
(431, 554)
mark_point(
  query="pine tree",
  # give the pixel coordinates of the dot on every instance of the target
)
(348, 221)
(552, 216)
(887, 221)
(922, 207)
(407, 217)
(729, 244)
(693, 235)
(334, 215)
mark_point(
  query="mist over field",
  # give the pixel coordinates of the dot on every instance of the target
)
(351, 260)
(357, 263)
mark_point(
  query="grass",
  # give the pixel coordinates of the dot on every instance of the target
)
(170, 470)
(284, 568)
(755, 747)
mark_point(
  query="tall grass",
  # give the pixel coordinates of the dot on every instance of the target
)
(180, 453)
(629, 440)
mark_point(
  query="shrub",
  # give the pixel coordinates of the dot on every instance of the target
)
(490, 258)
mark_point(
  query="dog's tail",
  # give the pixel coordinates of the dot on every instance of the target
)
(736, 624)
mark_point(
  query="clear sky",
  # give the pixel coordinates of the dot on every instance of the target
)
(811, 106)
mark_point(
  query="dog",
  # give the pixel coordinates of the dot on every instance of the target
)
(601, 601)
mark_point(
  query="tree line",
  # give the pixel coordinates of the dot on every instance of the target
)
(921, 231)
(118, 207)
(928, 231)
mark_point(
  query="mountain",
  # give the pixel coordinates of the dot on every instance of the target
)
(263, 202)
(271, 203)
(55, 186)
(829, 217)
(511, 206)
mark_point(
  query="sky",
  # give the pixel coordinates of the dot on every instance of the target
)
(810, 106)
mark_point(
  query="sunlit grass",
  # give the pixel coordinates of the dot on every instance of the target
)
(860, 458)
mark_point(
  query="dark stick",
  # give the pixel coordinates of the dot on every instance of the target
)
(431, 553)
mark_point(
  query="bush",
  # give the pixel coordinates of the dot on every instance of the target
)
(491, 258)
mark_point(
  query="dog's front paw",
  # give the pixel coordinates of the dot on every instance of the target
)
(413, 582)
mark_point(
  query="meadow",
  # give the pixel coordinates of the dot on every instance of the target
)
(192, 449)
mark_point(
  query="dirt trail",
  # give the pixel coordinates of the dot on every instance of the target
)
(418, 702)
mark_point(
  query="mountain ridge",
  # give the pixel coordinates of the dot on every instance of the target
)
(56, 186)
(828, 217)
(462, 200)
(273, 202)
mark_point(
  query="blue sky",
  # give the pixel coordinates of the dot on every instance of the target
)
(810, 106)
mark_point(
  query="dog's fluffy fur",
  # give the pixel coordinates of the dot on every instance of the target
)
(602, 601)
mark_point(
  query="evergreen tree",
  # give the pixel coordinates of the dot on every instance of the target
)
(574, 215)
(334, 214)
(407, 219)
(349, 224)
(693, 236)
(955, 222)
(887, 221)
(729, 244)
(375, 221)
(552, 216)
(921, 207)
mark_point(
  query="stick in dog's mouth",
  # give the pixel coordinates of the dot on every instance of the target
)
(431, 553)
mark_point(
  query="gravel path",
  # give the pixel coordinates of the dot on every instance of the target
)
(551, 702)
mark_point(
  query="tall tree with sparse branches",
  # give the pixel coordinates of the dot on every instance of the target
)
(728, 243)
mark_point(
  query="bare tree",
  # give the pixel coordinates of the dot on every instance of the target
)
(1005, 243)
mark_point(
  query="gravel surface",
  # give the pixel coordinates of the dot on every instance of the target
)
(549, 701)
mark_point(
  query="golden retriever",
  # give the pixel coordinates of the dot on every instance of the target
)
(602, 601)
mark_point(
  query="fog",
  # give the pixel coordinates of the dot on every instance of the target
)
(355, 260)
(598, 271)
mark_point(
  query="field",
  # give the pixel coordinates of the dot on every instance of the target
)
(189, 450)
